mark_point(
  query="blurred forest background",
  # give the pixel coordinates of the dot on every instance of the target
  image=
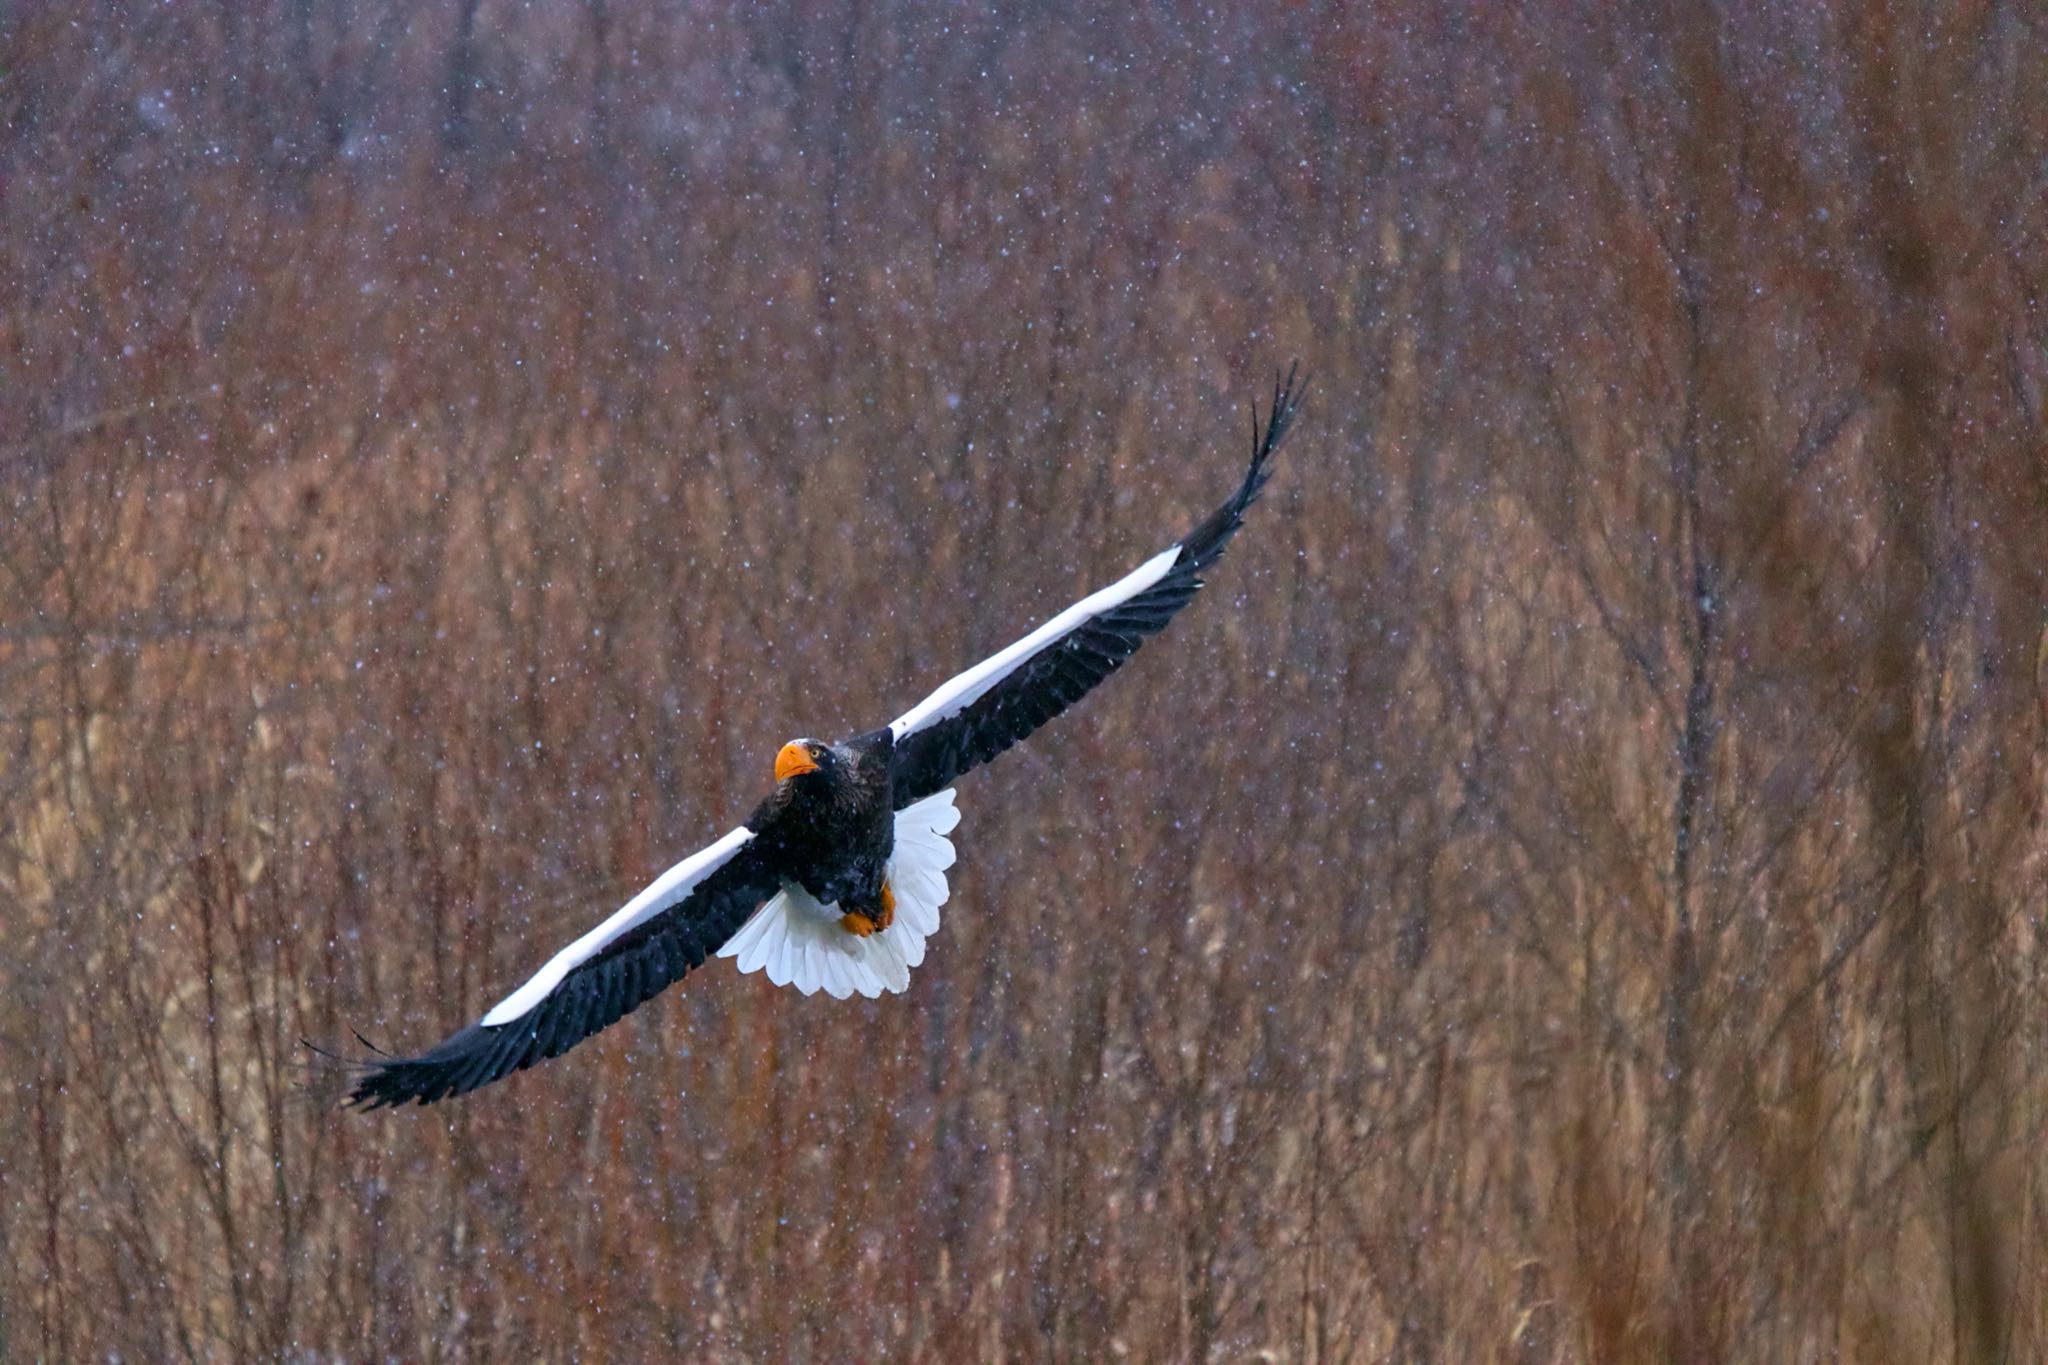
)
(1573, 890)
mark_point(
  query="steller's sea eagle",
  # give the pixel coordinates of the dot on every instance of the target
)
(849, 851)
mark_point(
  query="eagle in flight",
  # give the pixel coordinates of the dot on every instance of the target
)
(849, 852)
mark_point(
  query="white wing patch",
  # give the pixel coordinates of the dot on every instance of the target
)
(969, 687)
(661, 893)
(800, 943)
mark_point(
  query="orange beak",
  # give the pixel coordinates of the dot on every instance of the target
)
(794, 761)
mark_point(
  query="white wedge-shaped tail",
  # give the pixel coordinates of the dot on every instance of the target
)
(800, 942)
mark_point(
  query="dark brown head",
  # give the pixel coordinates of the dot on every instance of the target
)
(806, 761)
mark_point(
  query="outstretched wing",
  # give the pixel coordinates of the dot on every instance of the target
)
(685, 914)
(1000, 700)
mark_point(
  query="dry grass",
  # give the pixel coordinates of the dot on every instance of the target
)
(1573, 891)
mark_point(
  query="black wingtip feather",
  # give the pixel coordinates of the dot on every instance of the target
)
(381, 1080)
(1206, 542)
(428, 1077)
(472, 1057)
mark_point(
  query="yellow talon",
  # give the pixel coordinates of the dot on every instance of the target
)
(860, 923)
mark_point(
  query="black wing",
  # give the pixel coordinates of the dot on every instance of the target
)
(683, 917)
(999, 701)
